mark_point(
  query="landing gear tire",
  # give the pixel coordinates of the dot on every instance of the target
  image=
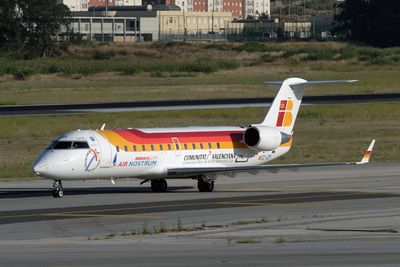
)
(159, 185)
(58, 191)
(205, 186)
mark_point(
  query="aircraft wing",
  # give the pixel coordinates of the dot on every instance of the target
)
(187, 172)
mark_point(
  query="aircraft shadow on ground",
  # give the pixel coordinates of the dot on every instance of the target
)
(43, 192)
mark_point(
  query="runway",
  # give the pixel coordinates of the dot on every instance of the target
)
(315, 217)
(142, 106)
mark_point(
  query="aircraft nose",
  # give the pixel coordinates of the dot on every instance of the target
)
(38, 168)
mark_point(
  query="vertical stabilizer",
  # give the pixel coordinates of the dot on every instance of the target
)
(285, 107)
(283, 111)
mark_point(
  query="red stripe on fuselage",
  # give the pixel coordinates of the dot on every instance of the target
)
(139, 137)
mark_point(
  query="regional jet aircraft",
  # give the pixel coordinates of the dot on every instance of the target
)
(200, 153)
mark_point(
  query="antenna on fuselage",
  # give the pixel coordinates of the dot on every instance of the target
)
(102, 127)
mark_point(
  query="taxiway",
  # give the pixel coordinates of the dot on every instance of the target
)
(315, 217)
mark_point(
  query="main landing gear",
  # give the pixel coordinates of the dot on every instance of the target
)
(204, 184)
(159, 185)
(58, 191)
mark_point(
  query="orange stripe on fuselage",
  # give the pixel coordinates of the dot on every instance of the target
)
(226, 139)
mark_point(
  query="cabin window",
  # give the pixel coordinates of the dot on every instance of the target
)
(177, 146)
(126, 148)
(185, 145)
(143, 148)
(169, 146)
(161, 147)
(209, 145)
(201, 146)
(152, 147)
(117, 147)
(134, 148)
(194, 146)
(218, 146)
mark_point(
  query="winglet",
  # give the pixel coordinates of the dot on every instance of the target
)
(367, 153)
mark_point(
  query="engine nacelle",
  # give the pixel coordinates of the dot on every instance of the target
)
(264, 138)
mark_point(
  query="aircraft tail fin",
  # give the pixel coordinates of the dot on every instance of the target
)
(285, 107)
(367, 154)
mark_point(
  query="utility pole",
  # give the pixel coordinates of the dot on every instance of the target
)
(212, 17)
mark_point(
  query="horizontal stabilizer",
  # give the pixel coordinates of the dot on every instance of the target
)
(312, 82)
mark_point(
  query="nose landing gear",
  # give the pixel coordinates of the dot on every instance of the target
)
(58, 191)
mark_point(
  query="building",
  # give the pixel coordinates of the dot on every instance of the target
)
(177, 22)
(255, 8)
(128, 2)
(234, 7)
(184, 5)
(128, 24)
(101, 2)
(200, 5)
(75, 5)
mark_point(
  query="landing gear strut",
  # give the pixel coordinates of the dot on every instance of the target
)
(159, 185)
(58, 191)
(205, 184)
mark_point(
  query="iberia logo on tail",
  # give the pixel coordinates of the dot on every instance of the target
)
(285, 117)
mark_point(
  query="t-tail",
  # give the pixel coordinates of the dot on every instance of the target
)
(275, 131)
(285, 107)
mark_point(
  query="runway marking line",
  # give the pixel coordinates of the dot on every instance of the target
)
(90, 212)
(104, 215)
(254, 202)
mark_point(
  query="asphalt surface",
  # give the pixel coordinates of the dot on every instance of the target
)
(332, 216)
(66, 109)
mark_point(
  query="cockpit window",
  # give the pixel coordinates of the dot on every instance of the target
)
(80, 145)
(68, 145)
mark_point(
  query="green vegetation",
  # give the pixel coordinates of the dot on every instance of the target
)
(367, 22)
(191, 71)
(280, 240)
(322, 133)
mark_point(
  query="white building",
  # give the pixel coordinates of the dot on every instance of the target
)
(256, 8)
(75, 5)
(185, 5)
(128, 2)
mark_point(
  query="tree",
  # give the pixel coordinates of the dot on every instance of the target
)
(42, 21)
(10, 25)
(31, 24)
(373, 22)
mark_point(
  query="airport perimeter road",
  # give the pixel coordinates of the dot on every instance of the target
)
(342, 216)
(70, 109)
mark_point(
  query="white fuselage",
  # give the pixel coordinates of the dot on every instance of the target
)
(147, 153)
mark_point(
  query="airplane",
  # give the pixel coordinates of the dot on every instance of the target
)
(201, 153)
